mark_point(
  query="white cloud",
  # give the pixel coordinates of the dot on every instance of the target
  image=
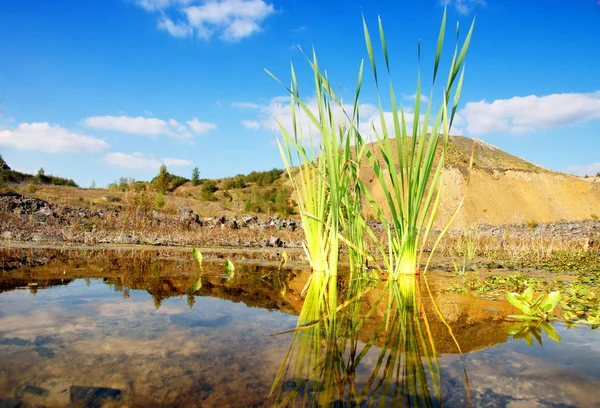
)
(520, 115)
(154, 5)
(177, 162)
(200, 127)
(279, 111)
(231, 20)
(139, 161)
(246, 105)
(48, 138)
(178, 30)
(463, 6)
(239, 29)
(583, 170)
(251, 124)
(413, 97)
(135, 161)
(148, 126)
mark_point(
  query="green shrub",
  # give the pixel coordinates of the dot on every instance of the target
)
(159, 201)
(32, 188)
(262, 178)
(207, 192)
(167, 182)
(272, 201)
(176, 181)
(235, 182)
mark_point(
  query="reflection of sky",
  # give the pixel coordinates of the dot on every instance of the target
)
(221, 352)
(97, 338)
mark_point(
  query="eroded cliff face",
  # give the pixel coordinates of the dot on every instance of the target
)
(503, 189)
(516, 196)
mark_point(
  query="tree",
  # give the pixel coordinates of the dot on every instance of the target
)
(162, 180)
(195, 176)
(41, 173)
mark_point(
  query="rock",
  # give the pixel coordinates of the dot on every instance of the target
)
(275, 242)
(92, 397)
(10, 403)
(46, 238)
(14, 341)
(33, 390)
(46, 212)
(188, 216)
(126, 239)
(247, 220)
(232, 223)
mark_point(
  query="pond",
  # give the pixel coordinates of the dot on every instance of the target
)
(144, 329)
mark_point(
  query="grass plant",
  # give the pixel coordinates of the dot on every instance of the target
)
(409, 177)
(320, 165)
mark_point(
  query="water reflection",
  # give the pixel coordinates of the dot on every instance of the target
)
(94, 329)
(327, 364)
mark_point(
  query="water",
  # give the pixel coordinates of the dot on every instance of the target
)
(129, 333)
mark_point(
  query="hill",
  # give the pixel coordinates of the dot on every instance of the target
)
(505, 189)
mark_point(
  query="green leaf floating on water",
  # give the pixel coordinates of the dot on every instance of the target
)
(229, 268)
(197, 256)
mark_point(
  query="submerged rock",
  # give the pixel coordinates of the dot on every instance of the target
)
(92, 397)
(34, 390)
(10, 403)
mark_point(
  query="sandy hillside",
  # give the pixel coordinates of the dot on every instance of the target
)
(506, 189)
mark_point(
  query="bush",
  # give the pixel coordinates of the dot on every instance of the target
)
(207, 192)
(236, 182)
(167, 182)
(159, 201)
(273, 201)
(138, 205)
(262, 178)
(176, 181)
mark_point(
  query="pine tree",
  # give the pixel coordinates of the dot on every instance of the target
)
(162, 180)
(195, 176)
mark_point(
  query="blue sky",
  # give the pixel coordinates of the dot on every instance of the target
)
(95, 90)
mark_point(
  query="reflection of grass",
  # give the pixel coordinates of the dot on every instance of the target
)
(325, 355)
(407, 370)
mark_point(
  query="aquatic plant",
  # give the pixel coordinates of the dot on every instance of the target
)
(197, 256)
(539, 308)
(229, 268)
(317, 165)
(581, 304)
(410, 179)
